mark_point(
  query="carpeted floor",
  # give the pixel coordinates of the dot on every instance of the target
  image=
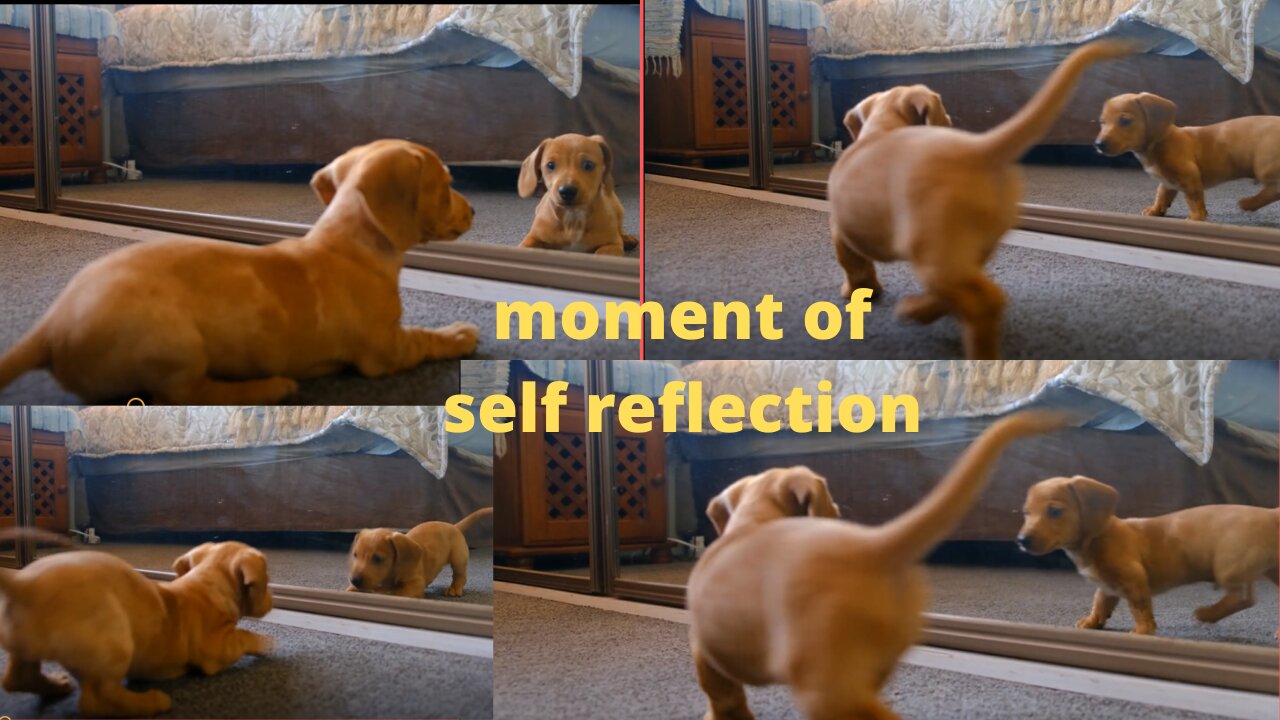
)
(502, 216)
(1108, 189)
(622, 667)
(324, 569)
(315, 674)
(709, 247)
(39, 260)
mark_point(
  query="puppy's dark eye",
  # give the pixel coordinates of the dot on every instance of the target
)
(588, 165)
(1125, 122)
(1054, 513)
(377, 559)
(551, 165)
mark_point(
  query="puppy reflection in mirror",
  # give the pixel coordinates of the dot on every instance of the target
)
(579, 210)
(395, 563)
(1192, 159)
(1230, 546)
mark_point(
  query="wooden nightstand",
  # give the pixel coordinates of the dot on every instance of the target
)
(540, 487)
(703, 113)
(79, 105)
(49, 451)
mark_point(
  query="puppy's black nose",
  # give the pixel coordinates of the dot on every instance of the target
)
(567, 193)
(1101, 146)
(355, 581)
(1024, 542)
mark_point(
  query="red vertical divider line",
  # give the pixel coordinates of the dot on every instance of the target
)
(643, 241)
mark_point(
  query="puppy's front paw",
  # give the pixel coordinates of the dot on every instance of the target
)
(1208, 614)
(1090, 622)
(1143, 629)
(463, 337)
(629, 242)
(154, 702)
(1153, 211)
(453, 592)
(1198, 216)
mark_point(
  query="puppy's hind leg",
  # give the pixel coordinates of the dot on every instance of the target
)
(25, 676)
(236, 645)
(458, 558)
(922, 308)
(1267, 195)
(110, 698)
(846, 695)
(979, 305)
(859, 272)
(1235, 599)
(725, 696)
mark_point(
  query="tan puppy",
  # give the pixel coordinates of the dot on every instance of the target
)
(103, 621)
(579, 210)
(189, 321)
(941, 199)
(895, 108)
(393, 563)
(1191, 159)
(1230, 546)
(823, 606)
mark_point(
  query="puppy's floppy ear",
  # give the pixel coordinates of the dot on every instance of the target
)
(406, 555)
(1097, 503)
(531, 171)
(853, 123)
(324, 184)
(1159, 113)
(928, 105)
(390, 182)
(607, 177)
(249, 568)
(192, 558)
(718, 511)
(811, 493)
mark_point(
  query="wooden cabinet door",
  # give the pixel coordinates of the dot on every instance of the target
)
(789, 95)
(554, 483)
(640, 483)
(16, 122)
(719, 93)
(49, 481)
(79, 109)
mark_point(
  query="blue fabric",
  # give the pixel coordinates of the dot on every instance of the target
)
(80, 21)
(50, 419)
(794, 14)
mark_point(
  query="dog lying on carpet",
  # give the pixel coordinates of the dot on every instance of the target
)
(579, 210)
(393, 563)
(940, 198)
(823, 606)
(1230, 546)
(1192, 159)
(188, 321)
(95, 615)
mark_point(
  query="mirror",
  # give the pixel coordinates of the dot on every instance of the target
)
(541, 478)
(17, 131)
(986, 62)
(695, 90)
(149, 483)
(198, 114)
(1138, 426)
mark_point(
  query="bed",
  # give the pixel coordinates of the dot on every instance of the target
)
(135, 471)
(1167, 434)
(203, 85)
(1215, 59)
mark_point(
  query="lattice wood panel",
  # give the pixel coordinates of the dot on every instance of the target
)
(45, 489)
(15, 107)
(730, 82)
(73, 121)
(566, 477)
(782, 93)
(8, 507)
(631, 478)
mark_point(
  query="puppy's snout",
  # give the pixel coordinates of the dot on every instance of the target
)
(568, 193)
(356, 581)
(1101, 146)
(1025, 542)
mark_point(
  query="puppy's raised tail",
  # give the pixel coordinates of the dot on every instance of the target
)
(1012, 138)
(465, 523)
(31, 353)
(15, 533)
(910, 536)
